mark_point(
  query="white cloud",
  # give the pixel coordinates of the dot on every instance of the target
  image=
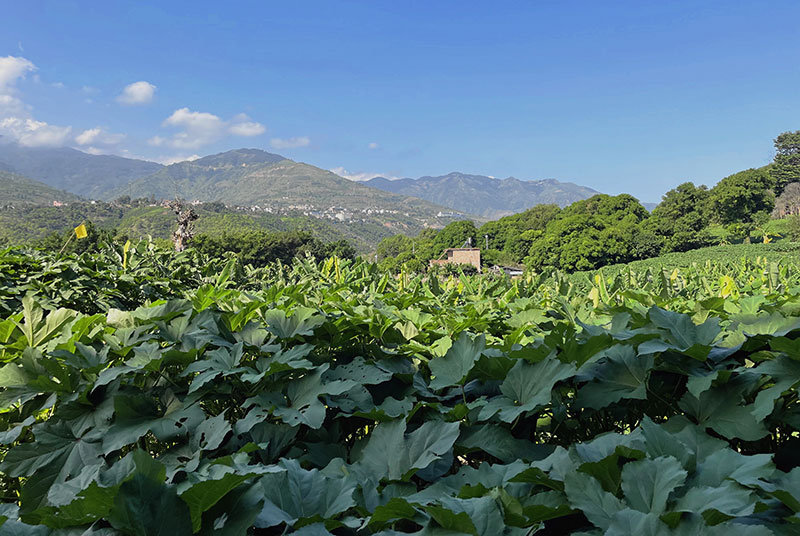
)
(199, 128)
(98, 136)
(373, 145)
(360, 176)
(11, 106)
(58, 85)
(247, 128)
(12, 69)
(174, 159)
(203, 128)
(32, 133)
(16, 121)
(137, 93)
(290, 143)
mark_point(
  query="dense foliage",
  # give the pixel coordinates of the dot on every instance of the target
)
(142, 217)
(605, 229)
(16, 190)
(786, 167)
(332, 398)
(261, 248)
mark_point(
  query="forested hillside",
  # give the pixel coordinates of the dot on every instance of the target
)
(140, 218)
(16, 190)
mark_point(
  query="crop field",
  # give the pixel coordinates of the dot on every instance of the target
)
(728, 258)
(149, 392)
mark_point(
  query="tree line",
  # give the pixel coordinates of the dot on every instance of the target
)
(608, 229)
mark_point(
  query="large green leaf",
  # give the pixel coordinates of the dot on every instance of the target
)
(785, 374)
(498, 442)
(296, 494)
(479, 516)
(206, 487)
(719, 410)
(56, 456)
(526, 388)
(623, 375)
(454, 367)
(630, 522)
(87, 497)
(37, 330)
(729, 499)
(235, 514)
(136, 415)
(304, 404)
(301, 322)
(392, 454)
(648, 483)
(587, 495)
(751, 471)
(146, 506)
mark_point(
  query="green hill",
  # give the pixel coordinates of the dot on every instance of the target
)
(19, 225)
(18, 190)
(252, 177)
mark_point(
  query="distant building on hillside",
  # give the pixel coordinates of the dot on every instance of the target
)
(460, 256)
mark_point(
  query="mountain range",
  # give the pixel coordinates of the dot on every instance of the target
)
(86, 175)
(253, 177)
(485, 196)
(270, 184)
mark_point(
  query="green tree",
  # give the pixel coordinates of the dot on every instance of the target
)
(511, 237)
(590, 233)
(679, 221)
(786, 167)
(456, 234)
(743, 197)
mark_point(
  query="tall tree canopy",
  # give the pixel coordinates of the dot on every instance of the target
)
(744, 197)
(786, 167)
(590, 233)
(455, 235)
(681, 217)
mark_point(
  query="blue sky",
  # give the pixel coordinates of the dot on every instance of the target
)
(630, 97)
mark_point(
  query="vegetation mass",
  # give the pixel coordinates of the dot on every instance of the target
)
(145, 392)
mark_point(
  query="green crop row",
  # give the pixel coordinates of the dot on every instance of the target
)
(160, 393)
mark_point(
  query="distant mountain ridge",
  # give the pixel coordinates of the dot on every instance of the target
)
(87, 175)
(485, 196)
(255, 177)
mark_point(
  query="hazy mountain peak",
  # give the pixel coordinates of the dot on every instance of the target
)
(483, 195)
